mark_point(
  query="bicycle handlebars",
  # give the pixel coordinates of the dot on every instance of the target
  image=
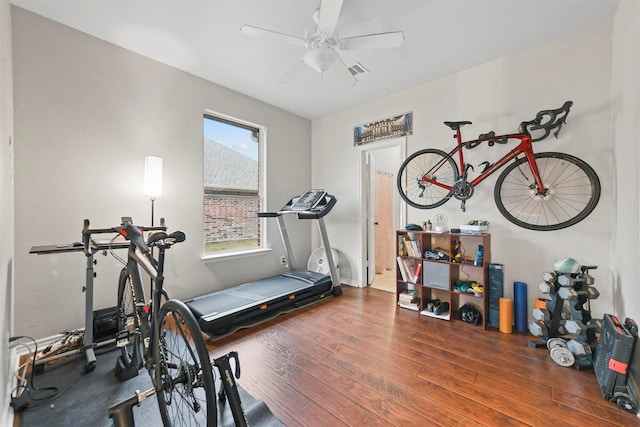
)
(547, 121)
(134, 233)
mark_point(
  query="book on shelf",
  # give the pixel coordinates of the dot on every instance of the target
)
(409, 305)
(409, 269)
(401, 268)
(412, 268)
(401, 248)
(416, 248)
(412, 248)
(407, 296)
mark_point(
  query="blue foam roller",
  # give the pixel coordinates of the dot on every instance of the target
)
(520, 306)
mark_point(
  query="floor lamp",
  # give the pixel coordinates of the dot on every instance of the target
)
(152, 180)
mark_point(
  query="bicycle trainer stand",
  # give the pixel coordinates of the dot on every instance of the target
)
(122, 412)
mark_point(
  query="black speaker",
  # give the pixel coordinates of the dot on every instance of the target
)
(105, 324)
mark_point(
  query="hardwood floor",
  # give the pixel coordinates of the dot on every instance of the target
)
(385, 281)
(357, 360)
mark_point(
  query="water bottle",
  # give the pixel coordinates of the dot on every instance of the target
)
(478, 260)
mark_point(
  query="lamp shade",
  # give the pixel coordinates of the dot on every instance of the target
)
(152, 176)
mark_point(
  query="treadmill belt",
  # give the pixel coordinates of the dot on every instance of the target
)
(253, 294)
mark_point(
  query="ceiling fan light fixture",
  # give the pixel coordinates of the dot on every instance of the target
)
(321, 58)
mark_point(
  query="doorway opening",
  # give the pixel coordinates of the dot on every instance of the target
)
(384, 211)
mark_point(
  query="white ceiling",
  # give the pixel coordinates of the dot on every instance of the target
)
(442, 37)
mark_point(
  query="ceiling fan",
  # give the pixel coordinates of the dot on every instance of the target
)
(322, 43)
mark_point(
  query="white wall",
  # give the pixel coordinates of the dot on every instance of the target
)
(6, 208)
(495, 96)
(86, 114)
(626, 139)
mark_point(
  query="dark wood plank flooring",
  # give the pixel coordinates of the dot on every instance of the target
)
(357, 360)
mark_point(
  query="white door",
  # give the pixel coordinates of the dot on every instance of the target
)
(389, 155)
(371, 219)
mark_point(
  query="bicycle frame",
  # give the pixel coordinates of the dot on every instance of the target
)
(525, 147)
(546, 120)
(149, 327)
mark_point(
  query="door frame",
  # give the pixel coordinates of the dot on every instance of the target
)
(400, 144)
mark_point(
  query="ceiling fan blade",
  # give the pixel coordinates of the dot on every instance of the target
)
(342, 73)
(372, 41)
(291, 72)
(273, 35)
(329, 12)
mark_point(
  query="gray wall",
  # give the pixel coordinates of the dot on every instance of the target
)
(86, 114)
(6, 208)
(626, 140)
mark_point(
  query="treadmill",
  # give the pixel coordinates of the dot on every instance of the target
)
(227, 310)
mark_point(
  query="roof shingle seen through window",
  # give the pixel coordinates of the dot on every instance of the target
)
(226, 168)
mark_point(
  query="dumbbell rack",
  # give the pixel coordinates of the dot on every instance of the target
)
(554, 321)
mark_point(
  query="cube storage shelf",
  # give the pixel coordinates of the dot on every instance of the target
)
(422, 278)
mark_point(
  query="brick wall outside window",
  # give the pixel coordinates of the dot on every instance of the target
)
(228, 217)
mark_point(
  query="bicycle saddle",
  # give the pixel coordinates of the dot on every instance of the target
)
(457, 125)
(170, 239)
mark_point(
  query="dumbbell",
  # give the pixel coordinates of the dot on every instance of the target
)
(570, 294)
(546, 288)
(579, 348)
(587, 278)
(538, 329)
(576, 327)
(549, 276)
(541, 314)
(566, 280)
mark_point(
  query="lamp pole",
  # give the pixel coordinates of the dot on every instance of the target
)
(153, 202)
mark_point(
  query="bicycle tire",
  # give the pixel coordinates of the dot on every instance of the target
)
(411, 178)
(186, 389)
(573, 191)
(128, 322)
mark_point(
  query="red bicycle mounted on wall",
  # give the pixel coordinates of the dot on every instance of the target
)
(539, 191)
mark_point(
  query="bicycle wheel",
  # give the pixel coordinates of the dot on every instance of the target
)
(572, 192)
(128, 324)
(426, 178)
(186, 393)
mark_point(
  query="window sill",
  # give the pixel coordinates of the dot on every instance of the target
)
(223, 256)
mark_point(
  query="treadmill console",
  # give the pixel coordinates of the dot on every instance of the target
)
(308, 200)
(313, 204)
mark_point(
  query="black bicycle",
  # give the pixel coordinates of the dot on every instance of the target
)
(160, 334)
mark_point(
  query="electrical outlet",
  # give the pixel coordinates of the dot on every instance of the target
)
(283, 260)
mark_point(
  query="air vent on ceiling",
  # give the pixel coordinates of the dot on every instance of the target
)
(357, 69)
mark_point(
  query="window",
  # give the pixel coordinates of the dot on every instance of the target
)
(232, 185)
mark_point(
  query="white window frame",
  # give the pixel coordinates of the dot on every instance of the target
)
(262, 175)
